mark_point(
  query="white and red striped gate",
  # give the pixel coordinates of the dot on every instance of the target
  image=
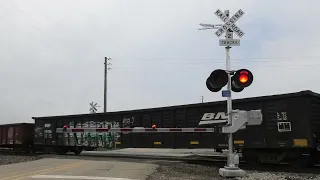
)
(240, 120)
(134, 130)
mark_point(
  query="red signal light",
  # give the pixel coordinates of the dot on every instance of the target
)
(154, 126)
(243, 77)
(65, 128)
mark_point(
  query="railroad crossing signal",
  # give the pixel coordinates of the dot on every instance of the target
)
(219, 78)
(93, 107)
(229, 23)
(229, 27)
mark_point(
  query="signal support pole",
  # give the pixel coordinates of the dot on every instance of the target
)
(231, 169)
(229, 109)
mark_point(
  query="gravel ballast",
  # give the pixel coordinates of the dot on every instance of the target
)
(11, 159)
(198, 172)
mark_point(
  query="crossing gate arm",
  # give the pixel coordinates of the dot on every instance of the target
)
(135, 130)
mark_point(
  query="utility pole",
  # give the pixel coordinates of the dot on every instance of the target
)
(106, 68)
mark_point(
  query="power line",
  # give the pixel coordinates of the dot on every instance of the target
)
(31, 25)
(196, 60)
(199, 65)
(152, 59)
(188, 69)
(272, 62)
(219, 62)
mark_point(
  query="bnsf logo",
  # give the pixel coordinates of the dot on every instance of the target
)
(213, 118)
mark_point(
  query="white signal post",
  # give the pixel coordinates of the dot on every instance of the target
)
(230, 170)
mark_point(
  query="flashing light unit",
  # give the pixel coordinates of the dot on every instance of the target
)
(65, 127)
(219, 78)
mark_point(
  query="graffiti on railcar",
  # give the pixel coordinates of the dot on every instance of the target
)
(106, 140)
(38, 132)
(127, 122)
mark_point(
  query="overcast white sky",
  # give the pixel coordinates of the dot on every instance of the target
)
(52, 52)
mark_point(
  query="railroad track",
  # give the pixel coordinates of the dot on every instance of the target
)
(5, 151)
(283, 167)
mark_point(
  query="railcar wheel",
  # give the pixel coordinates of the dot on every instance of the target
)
(77, 150)
(61, 151)
(304, 160)
(219, 150)
(250, 156)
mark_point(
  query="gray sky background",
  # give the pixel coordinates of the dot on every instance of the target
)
(52, 52)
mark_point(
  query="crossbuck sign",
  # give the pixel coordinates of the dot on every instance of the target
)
(229, 23)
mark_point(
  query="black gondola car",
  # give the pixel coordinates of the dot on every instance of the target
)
(290, 129)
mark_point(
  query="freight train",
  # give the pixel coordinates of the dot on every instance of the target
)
(289, 132)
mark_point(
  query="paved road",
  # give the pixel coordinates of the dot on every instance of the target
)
(52, 168)
(99, 168)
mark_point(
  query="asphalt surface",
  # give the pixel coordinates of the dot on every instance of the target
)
(66, 167)
(125, 164)
(58, 168)
(82, 167)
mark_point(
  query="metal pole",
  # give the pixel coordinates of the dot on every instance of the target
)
(105, 84)
(229, 107)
